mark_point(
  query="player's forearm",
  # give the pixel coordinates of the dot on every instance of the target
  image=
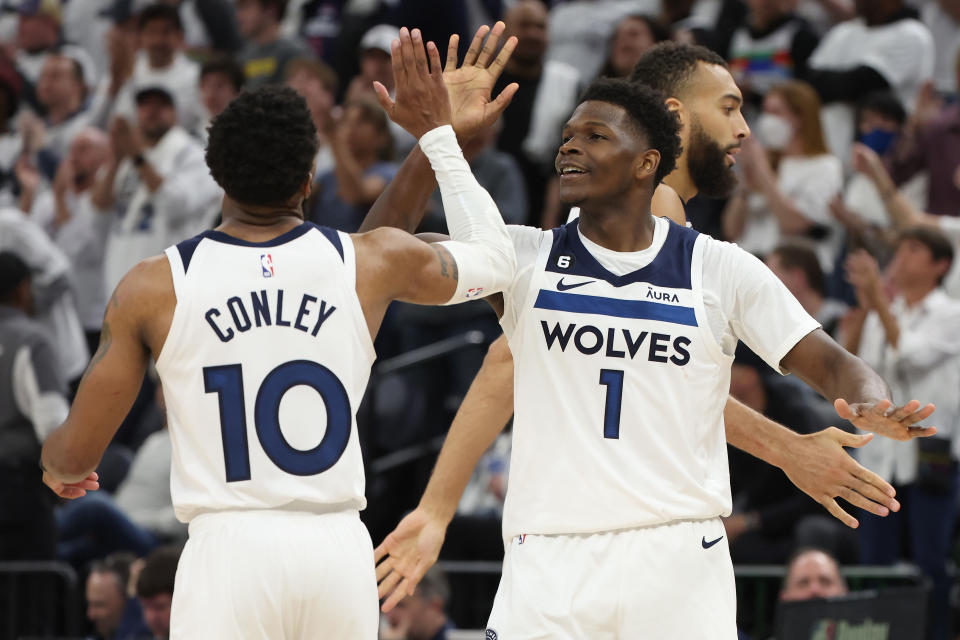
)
(483, 414)
(756, 434)
(403, 202)
(67, 463)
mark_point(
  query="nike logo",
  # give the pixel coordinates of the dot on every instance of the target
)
(707, 545)
(566, 287)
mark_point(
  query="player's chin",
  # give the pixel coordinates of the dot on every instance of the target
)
(571, 196)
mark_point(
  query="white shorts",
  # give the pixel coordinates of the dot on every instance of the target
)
(276, 574)
(671, 581)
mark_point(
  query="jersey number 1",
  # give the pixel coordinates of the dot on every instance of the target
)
(612, 379)
(227, 382)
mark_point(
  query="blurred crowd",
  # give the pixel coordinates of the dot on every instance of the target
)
(849, 190)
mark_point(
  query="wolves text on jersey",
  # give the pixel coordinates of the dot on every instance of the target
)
(617, 343)
(260, 309)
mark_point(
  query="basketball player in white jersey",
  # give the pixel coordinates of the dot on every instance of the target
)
(623, 328)
(262, 335)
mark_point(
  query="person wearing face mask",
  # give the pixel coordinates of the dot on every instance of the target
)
(789, 178)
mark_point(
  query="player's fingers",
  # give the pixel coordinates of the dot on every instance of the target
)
(89, 485)
(418, 573)
(502, 101)
(855, 440)
(383, 569)
(496, 67)
(919, 415)
(475, 45)
(436, 69)
(72, 493)
(396, 61)
(873, 494)
(396, 596)
(408, 55)
(388, 584)
(921, 432)
(864, 475)
(383, 97)
(858, 500)
(419, 55)
(490, 46)
(831, 505)
(899, 413)
(452, 46)
(843, 408)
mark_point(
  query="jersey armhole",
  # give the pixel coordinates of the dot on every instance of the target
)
(170, 344)
(349, 254)
(703, 320)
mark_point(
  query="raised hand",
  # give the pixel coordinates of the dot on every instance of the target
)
(406, 554)
(821, 468)
(422, 103)
(74, 489)
(882, 418)
(471, 84)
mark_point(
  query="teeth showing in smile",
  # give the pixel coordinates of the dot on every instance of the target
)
(568, 170)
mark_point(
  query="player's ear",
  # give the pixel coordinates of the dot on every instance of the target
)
(679, 110)
(646, 164)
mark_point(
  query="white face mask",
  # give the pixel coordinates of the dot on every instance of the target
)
(775, 132)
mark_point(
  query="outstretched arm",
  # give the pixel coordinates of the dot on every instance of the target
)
(403, 202)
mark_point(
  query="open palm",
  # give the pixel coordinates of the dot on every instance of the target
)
(471, 84)
(406, 554)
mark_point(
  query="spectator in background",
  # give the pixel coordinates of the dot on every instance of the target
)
(375, 63)
(155, 589)
(789, 177)
(942, 17)
(266, 53)
(497, 172)
(770, 47)
(931, 144)
(913, 341)
(422, 616)
(160, 61)
(317, 83)
(38, 33)
(156, 187)
(114, 614)
(798, 267)
(633, 35)
(32, 404)
(11, 140)
(362, 152)
(546, 98)
(87, 24)
(221, 80)
(66, 214)
(812, 573)
(54, 304)
(886, 47)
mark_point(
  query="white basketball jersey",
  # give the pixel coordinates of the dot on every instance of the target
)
(619, 394)
(264, 367)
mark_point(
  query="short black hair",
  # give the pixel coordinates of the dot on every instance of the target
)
(262, 146)
(668, 66)
(13, 271)
(933, 239)
(160, 11)
(648, 111)
(886, 103)
(117, 563)
(226, 66)
(159, 572)
(794, 255)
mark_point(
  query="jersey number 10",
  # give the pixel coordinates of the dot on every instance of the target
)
(227, 382)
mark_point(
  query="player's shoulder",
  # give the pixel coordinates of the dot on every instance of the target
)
(149, 281)
(666, 203)
(720, 256)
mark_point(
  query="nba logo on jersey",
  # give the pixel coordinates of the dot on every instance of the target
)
(266, 264)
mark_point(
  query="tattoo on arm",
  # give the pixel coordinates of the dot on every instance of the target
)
(446, 259)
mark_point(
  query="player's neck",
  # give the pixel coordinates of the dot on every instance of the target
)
(259, 223)
(618, 228)
(680, 181)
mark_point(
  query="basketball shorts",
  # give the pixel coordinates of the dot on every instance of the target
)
(276, 574)
(670, 581)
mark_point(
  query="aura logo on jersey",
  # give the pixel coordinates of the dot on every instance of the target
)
(614, 342)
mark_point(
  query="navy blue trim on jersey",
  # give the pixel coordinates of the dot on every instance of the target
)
(670, 268)
(615, 307)
(186, 249)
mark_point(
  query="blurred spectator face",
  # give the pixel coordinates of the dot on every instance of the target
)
(813, 574)
(716, 128)
(632, 37)
(366, 134)
(59, 83)
(319, 97)
(765, 11)
(155, 116)
(161, 40)
(88, 151)
(421, 617)
(375, 65)
(216, 92)
(877, 131)
(778, 124)
(913, 265)
(253, 18)
(793, 279)
(156, 613)
(105, 602)
(36, 33)
(528, 21)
